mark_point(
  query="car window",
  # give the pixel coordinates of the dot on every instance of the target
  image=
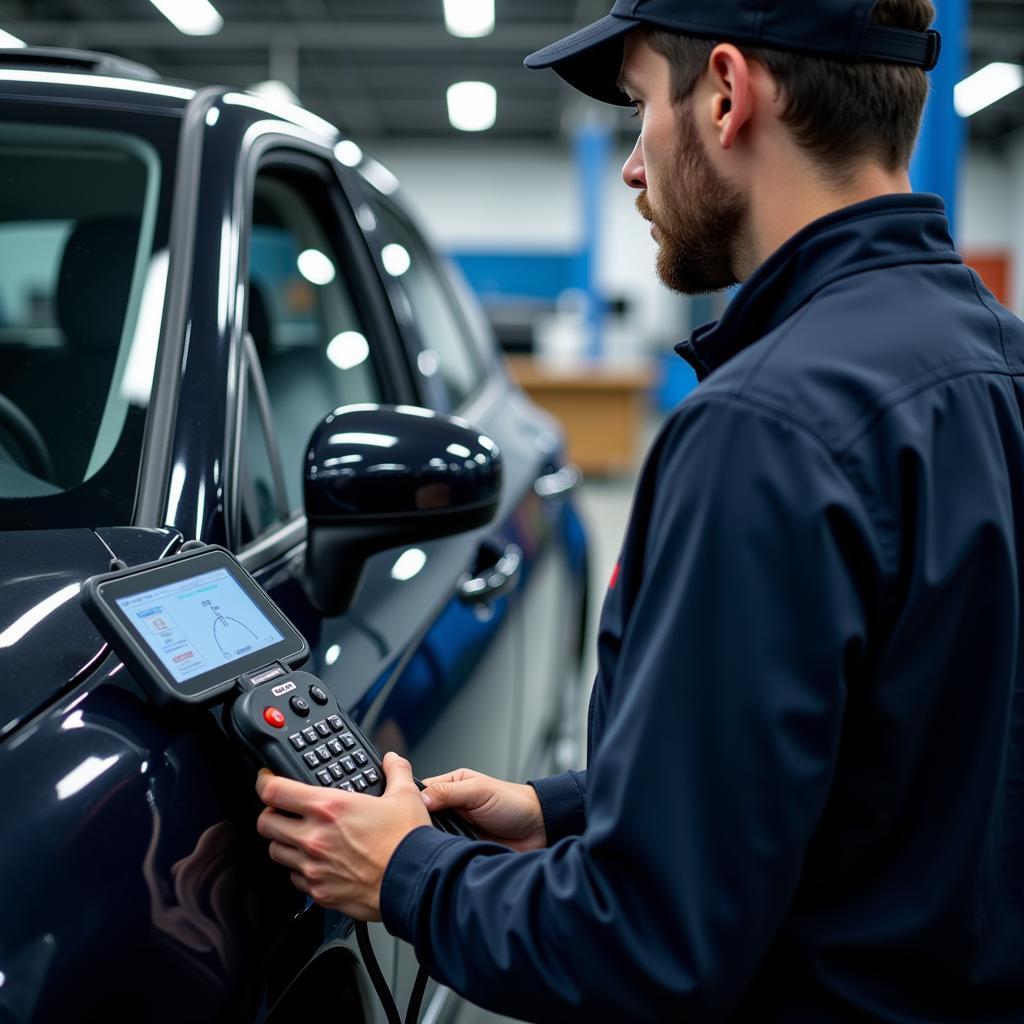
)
(406, 257)
(83, 269)
(313, 350)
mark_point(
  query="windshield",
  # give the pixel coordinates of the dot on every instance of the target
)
(83, 271)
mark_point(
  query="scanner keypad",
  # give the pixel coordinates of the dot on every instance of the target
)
(331, 754)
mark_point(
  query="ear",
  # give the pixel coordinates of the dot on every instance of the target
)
(732, 97)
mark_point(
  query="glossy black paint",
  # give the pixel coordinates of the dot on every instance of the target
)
(379, 477)
(401, 462)
(134, 885)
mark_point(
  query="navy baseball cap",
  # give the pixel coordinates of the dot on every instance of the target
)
(590, 60)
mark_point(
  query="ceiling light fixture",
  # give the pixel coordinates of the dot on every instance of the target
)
(984, 87)
(192, 17)
(472, 106)
(469, 19)
(9, 42)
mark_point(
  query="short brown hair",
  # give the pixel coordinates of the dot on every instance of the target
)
(839, 110)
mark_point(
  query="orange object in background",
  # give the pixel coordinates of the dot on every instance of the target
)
(994, 267)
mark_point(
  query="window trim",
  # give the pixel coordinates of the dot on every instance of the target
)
(252, 373)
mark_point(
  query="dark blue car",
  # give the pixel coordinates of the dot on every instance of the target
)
(190, 282)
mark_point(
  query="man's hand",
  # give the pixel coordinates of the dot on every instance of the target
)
(504, 812)
(338, 844)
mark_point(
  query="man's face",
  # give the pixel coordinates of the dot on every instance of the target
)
(697, 217)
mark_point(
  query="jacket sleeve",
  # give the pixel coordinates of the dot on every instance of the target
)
(563, 804)
(746, 630)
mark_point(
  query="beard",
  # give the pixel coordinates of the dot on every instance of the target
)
(700, 220)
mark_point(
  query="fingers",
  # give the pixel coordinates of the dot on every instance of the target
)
(273, 825)
(299, 882)
(282, 853)
(285, 794)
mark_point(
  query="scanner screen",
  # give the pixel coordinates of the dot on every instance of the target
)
(199, 624)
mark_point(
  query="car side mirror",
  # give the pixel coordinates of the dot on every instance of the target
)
(379, 477)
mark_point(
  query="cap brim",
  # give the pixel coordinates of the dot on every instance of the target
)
(590, 60)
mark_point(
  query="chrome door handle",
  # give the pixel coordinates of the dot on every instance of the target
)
(559, 483)
(493, 582)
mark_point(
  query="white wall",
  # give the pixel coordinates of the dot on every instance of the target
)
(991, 206)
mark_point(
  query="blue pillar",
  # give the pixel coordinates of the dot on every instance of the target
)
(936, 163)
(591, 146)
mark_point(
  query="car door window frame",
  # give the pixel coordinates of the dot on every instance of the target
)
(378, 237)
(366, 291)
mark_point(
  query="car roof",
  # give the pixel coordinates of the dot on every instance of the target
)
(83, 71)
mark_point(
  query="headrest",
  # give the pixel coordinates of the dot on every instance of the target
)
(95, 279)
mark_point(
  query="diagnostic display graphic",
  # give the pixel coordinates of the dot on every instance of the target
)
(199, 624)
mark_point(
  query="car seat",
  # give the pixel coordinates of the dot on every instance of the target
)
(64, 391)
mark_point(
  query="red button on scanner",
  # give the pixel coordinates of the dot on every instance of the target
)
(274, 717)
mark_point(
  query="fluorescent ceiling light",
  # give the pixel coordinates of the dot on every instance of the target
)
(984, 87)
(469, 19)
(472, 106)
(193, 17)
(7, 41)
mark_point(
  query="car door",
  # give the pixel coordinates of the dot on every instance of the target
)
(314, 342)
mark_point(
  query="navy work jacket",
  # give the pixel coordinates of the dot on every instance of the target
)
(804, 800)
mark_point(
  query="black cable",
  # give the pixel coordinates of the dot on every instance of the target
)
(412, 1012)
(376, 975)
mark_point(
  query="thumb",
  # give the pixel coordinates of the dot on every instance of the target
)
(465, 794)
(397, 772)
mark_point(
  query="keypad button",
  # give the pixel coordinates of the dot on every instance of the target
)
(348, 739)
(371, 775)
(336, 770)
(299, 706)
(323, 753)
(360, 783)
(348, 764)
(334, 745)
(359, 756)
(335, 723)
(310, 758)
(318, 695)
(324, 777)
(297, 742)
(347, 786)
(322, 727)
(311, 735)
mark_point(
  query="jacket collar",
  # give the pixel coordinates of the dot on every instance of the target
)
(886, 231)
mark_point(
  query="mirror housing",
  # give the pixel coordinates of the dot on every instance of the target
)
(380, 477)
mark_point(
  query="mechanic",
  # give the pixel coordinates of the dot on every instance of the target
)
(805, 790)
